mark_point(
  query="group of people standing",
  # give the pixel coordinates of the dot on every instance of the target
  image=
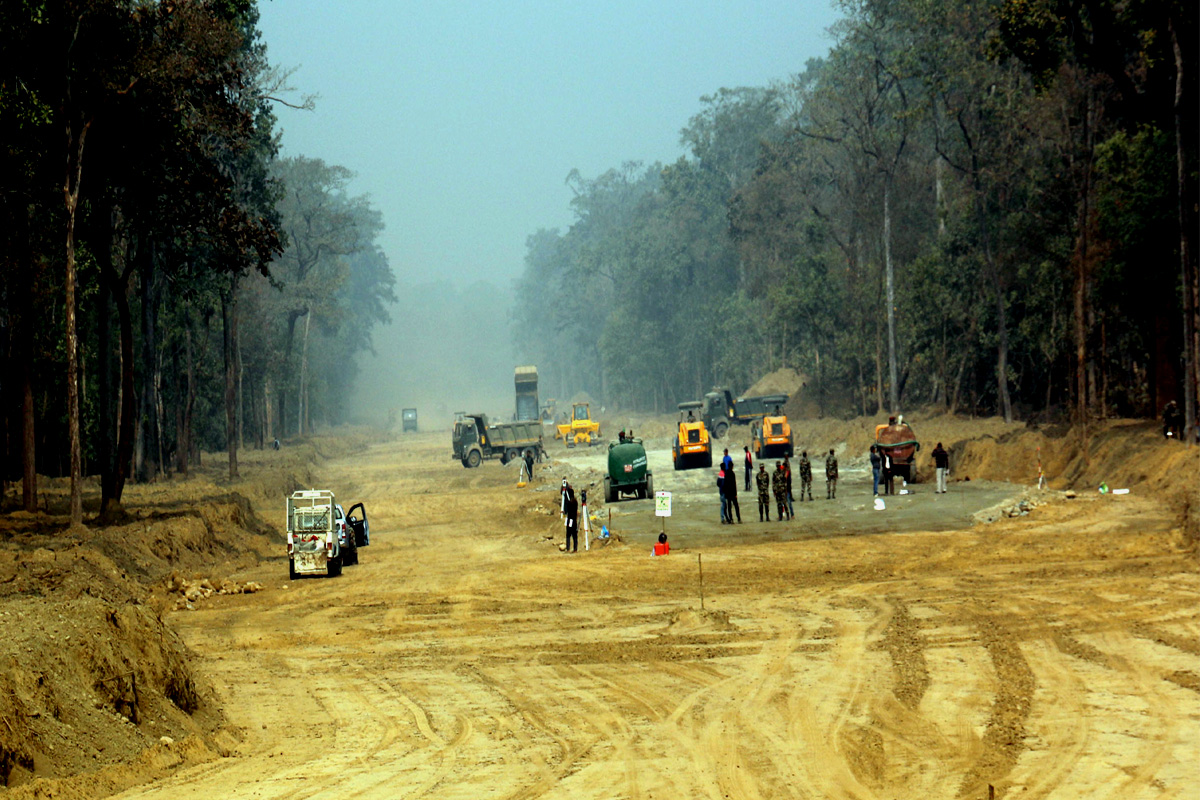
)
(777, 483)
(883, 471)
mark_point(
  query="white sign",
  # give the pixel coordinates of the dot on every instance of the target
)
(662, 504)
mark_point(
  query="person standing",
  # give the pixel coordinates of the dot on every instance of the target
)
(727, 461)
(831, 476)
(749, 467)
(885, 469)
(805, 476)
(571, 512)
(876, 462)
(724, 499)
(777, 488)
(763, 480)
(731, 493)
(787, 487)
(529, 465)
(941, 460)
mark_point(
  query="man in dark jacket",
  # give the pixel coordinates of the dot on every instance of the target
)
(571, 512)
(731, 493)
(941, 460)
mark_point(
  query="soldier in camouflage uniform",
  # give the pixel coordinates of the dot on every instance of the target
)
(831, 475)
(779, 489)
(805, 476)
(763, 481)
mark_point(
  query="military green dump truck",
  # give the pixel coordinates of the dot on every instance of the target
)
(627, 471)
(474, 440)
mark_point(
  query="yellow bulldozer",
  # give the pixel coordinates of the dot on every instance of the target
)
(580, 428)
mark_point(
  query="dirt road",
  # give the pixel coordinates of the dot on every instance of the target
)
(1053, 655)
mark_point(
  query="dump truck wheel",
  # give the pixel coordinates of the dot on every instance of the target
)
(719, 430)
(649, 485)
(511, 454)
(474, 458)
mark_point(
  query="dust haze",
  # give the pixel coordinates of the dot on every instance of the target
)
(449, 347)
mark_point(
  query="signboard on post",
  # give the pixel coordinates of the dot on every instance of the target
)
(662, 504)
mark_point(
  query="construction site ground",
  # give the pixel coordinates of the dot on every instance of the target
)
(1043, 642)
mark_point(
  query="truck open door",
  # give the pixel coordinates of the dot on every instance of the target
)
(358, 524)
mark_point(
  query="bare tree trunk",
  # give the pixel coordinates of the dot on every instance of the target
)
(240, 371)
(147, 470)
(894, 387)
(229, 329)
(1188, 274)
(71, 182)
(128, 415)
(28, 439)
(302, 411)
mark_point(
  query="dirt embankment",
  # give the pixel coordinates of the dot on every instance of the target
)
(92, 680)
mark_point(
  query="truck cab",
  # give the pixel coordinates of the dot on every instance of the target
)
(469, 437)
(408, 420)
(691, 447)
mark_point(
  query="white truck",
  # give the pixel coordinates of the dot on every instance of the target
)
(313, 543)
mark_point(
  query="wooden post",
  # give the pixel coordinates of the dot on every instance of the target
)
(991, 792)
(700, 565)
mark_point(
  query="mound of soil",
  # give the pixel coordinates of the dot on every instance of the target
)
(97, 692)
(782, 381)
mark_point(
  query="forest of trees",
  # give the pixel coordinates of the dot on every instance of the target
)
(168, 283)
(984, 206)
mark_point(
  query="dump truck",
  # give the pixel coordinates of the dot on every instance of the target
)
(408, 420)
(627, 471)
(579, 428)
(526, 380)
(691, 447)
(313, 529)
(771, 438)
(896, 438)
(474, 440)
(721, 409)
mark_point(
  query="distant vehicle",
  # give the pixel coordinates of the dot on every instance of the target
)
(896, 438)
(627, 471)
(473, 440)
(314, 535)
(580, 428)
(721, 409)
(692, 447)
(526, 380)
(771, 438)
(408, 420)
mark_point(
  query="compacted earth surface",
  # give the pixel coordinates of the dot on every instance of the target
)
(1045, 643)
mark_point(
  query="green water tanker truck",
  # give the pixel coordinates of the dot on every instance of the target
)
(627, 471)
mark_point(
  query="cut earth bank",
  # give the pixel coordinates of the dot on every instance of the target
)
(901, 653)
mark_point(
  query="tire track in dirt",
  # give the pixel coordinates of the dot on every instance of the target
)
(1004, 737)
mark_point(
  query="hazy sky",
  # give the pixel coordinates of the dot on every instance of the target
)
(462, 119)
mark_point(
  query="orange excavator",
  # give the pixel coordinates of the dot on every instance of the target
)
(896, 438)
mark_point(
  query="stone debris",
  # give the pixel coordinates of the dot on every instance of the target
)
(192, 590)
